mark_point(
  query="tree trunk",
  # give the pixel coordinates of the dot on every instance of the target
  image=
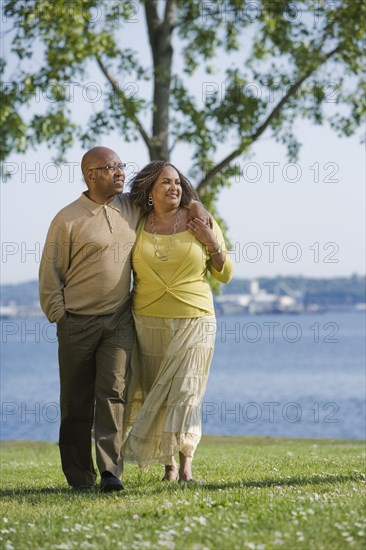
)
(160, 34)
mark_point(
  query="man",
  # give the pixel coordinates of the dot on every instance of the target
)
(85, 288)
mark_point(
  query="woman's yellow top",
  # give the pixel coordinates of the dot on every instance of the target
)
(177, 287)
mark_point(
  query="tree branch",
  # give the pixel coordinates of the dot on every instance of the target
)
(152, 18)
(117, 90)
(171, 148)
(252, 138)
(170, 8)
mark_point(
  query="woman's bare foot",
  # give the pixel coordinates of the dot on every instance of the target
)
(185, 467)
(171, 472)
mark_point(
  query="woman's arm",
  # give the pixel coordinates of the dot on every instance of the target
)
(221, 266)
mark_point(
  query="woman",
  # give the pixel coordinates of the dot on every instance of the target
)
(175, 323)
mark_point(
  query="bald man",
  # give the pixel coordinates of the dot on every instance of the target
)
(85, 288)
(84, 280)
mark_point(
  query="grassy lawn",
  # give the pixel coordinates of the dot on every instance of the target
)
(258, 493)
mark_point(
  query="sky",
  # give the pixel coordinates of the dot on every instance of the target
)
(304, 219)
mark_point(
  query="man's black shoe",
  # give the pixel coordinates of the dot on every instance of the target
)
(110, 483)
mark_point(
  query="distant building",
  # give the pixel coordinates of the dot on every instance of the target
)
(8, 312)
(260, 301)
(16, 311)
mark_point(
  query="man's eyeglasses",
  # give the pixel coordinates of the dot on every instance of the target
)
(111, 167)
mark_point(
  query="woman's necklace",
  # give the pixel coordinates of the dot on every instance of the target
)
(158, 252)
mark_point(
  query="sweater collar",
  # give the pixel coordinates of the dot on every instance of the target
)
(94, 208)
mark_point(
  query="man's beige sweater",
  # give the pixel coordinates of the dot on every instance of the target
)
(86, 261)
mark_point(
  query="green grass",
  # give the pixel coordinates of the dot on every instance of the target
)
(258, 493)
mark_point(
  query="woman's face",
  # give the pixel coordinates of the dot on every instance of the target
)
(167, 190)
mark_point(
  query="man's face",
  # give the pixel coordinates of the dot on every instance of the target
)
(106, 178)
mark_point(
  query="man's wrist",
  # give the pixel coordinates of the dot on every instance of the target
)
(193, 202)
(63, 318)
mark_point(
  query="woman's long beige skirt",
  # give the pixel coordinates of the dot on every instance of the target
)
(169, 373)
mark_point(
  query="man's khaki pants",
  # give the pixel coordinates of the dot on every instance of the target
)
(94, 356)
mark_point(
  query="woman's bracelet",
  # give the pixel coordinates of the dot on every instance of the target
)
(217, 251)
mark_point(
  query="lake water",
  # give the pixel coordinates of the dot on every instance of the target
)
(275, 375)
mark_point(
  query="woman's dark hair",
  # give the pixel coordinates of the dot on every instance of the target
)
(142, 183)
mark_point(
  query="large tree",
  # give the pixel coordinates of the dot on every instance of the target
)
(284, 60)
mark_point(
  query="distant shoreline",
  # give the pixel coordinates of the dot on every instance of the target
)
(282, 294)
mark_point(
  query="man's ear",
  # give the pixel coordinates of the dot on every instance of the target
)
(91, 175)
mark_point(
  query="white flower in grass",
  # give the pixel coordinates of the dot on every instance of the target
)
(290, 453)
(187, 529)
(6, 520)
(360, 533)
(135, 517)
(167, 504)
(8, 545)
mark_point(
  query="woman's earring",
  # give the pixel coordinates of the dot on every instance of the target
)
(150, 202)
